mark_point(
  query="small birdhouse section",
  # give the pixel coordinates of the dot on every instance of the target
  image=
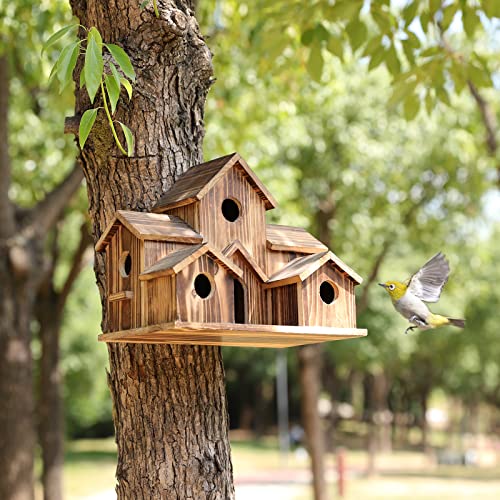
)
(205, 268)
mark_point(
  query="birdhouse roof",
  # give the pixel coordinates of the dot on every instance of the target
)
(198, 180)
(301, 268)
(147, 226)
(292, 239)
(236, 246)
(177, 261)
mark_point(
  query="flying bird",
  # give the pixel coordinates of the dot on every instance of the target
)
(425, 285)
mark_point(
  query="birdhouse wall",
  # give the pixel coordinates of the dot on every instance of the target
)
(159, 304)
(218, 307)
(156, 250)
(255, 298)
(123, 288)
(249, 228)
(341, 312)
(276, 260)
(188, 213)
(283, 305)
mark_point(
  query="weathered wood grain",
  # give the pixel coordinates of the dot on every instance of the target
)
(292, 239)
(200, 179)
(231, 334)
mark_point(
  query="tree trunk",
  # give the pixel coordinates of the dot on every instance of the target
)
(423, 420)
(309, 370)
(51, 425)
(16, 303)
(170, 410)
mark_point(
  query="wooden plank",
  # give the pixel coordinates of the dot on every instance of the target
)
(232, 334)
(292, 239)
(125, 295)
(147, 226)
(236, 246)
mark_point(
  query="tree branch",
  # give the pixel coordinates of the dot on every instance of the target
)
(490, 124)
(76, 265)
(46, 213)
(7, 218)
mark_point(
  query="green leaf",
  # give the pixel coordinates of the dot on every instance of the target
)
(143, 4)
(372, 45)
(357, 33)
(434, 6)
(470, 20)
(93, 66)
(127, 86)
(383, 19)
(344, 9)
(457, 72)
(57, 36)
(392, 61)
(335, 46)
(82, 78)
(122, 59)
(479, 76)
(315, 62)
(491, 8)
(53, 71)
(408, 50)
(431, 51)
(113, 90)
(429, 102)
(129, 138)
(115, 74)
(86, 124)
(307, 37)
(442, 95)
(409, 12)
(410, 107)
(449, 13)
(401, 91)
(66, 64)
(94, 33)
(377, 57)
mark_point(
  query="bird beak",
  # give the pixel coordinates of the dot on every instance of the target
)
(382, 285)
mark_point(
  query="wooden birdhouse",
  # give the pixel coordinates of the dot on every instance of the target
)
(205, 268)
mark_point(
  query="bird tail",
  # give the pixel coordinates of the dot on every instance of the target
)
(460, 323)
(436, 320)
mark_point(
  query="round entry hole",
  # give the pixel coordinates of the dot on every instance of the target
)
(327, 292)
(203, 286)
(230, 210)
(125, 264)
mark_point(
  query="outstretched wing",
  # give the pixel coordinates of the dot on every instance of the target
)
(429, 280)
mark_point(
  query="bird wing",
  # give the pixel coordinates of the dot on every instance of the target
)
(429, 280)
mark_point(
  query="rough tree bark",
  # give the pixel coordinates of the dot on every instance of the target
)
(310, 370)
(170, 409)
(22, 236)
(49, 308)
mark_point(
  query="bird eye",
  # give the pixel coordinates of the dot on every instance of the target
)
(391, 287)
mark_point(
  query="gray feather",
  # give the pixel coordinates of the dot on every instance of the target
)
(428, 282)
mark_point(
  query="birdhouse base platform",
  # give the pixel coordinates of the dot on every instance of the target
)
(231, 334)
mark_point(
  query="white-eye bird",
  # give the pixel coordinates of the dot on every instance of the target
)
(425, 285)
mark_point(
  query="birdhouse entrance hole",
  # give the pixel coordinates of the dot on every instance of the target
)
(327, 292)
(230, 210)
(203, 286)
(125, 265)
(239, 302)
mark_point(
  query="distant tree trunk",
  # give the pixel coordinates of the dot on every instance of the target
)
(22, 237)
(383, 415)
(49, 310)
(424, 396)
(170, 409)
(310, 369)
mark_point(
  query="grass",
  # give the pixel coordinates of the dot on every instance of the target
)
(260, 472)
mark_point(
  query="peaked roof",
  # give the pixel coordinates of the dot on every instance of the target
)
(193, 184)
(175, 262)
(147, 226)
(292, 239)
(236, 246)
(301, 268)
